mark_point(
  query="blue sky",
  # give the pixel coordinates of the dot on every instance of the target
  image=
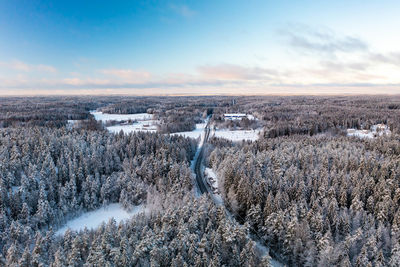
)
(199, 47)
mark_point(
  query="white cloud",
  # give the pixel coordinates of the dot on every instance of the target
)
(25, 67)
(235, 72)
(322, 40)
(322, 60)
(392, 58)
(127, 74)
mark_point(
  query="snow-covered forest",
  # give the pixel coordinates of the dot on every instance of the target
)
(300, 187)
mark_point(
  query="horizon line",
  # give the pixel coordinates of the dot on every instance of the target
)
(200, 95)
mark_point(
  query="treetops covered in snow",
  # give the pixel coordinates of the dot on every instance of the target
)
(317, 200)
(306, 190)
(49, 176)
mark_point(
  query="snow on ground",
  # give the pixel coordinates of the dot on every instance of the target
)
(376, 130)
(94, 219)
(143, 122)
(196, 133)
(100, 116)
(144, 126)
(275, 263)
(250, 117)
(203, 133)
(238, 116)
(263, 250)
(212, 178)
(72, 122)
(210, 172)
(14, 189)
(199, 146)
(238, 135)
(212, 182)
(381, 129)
(360, 133)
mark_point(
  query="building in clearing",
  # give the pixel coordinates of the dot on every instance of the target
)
(379, 127)
(375, 131)
(237, 116)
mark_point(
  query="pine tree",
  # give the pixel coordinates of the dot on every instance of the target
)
(12, 255)
(25, 260)
(75, 257)
(59, 259)
(395, 255)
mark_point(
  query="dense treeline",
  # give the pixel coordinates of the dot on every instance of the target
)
(175, 114)
(279, 116)
(153, 105)
(138, 105)
(285, 116)
(195, 233)
(244, 123)
(50, 175)
(43, 111)
(179, 121)
(304, 189)
(317, 200)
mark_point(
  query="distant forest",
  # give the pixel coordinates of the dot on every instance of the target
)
(311, 194)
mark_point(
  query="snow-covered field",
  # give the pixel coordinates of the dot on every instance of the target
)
(100, 116)
(144, 126)
(94, 219)
(360, 133)
(144, 122)
(196, 133)
(375, 131)
(238, 135)
(234, 135)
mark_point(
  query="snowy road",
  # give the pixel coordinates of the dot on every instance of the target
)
(204, 189)
(197, 167)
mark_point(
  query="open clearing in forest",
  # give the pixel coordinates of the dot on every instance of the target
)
(93, 219)
(143, 122)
